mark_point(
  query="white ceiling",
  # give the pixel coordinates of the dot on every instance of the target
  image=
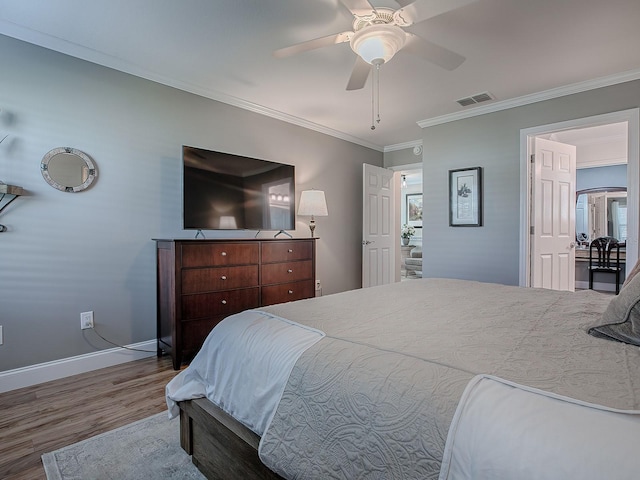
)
(222, 49)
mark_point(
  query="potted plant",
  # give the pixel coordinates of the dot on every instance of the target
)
(407, 232)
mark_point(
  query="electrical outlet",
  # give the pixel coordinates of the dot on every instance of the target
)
(86, 320)
(318, 284)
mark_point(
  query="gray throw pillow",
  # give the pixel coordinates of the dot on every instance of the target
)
(621, 320)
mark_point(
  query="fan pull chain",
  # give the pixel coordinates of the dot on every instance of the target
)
(375, 96)
(373, 99)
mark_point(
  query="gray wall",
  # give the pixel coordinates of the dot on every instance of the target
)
(492, 141)
(400, 158)
(68, 253)
(598, 177)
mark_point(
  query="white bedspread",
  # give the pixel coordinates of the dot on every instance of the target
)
(376, 397)
(550, 437)
(224, 373)
(397, 359)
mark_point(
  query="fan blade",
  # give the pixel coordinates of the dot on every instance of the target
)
(431, 52)
(359, 75)
(313, 44)
(358, 7)
(422, 10)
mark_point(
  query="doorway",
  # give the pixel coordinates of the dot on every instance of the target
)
(411, 223)
(569, 132)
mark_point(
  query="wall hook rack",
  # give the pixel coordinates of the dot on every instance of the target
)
(11, 190)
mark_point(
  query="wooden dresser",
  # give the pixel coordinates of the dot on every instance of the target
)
(200, 282)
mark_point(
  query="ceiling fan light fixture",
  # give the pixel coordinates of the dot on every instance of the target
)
(377, 44)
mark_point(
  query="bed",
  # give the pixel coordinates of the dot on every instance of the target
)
(433, 378)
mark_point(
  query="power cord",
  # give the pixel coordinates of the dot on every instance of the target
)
(121, 346)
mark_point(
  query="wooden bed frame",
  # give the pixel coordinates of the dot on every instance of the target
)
(219, 445)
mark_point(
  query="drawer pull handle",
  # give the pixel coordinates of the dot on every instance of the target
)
(290, 291)
(224, 302)
(224, 254)
(290, 250)
(289, 271)
(223, 277)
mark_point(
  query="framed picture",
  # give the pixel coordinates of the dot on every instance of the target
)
(414, 210)
(465, 197)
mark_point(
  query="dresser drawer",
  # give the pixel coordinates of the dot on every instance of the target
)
(218, 254)
(287, 292)
(200, 280)
(195, 332)
(283, 251)
(287, 272)
(219, 303)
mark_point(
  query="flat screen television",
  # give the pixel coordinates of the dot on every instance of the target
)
(222, 191)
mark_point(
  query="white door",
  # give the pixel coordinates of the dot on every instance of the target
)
(599, 216)
(554, 201)
(380, 227)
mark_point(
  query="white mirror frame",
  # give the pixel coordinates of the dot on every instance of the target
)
(91, 169)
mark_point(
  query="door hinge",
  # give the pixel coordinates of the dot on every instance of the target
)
(531, 230)
(533, 158)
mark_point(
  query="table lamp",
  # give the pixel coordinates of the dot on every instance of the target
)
(314, 204)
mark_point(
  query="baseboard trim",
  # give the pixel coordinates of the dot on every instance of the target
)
(601, 286)
(66, 367)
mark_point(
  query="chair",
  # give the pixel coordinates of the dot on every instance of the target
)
(601, 259)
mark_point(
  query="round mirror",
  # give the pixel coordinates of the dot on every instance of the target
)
(68, 169)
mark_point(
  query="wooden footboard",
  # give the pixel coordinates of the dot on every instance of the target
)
(220, 446)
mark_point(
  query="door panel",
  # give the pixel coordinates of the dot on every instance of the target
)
(545, 271)
(553, 238)
(380, 227)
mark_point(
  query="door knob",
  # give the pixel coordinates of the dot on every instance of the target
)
(367, 242)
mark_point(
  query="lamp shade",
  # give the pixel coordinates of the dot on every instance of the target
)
(313, 203)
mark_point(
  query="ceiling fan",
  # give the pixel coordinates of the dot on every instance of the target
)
(379, 33)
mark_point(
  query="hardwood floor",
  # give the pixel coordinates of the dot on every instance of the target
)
(45, 417)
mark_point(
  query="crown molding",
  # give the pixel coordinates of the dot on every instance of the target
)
(403, 146)
(602, 163)
(534, 98)
(93, 56)
(62, 46)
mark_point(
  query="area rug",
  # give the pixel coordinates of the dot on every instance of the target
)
(143, 450)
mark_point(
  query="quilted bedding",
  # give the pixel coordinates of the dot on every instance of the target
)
(375, 398)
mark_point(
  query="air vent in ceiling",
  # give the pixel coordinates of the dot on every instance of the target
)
(477, 98)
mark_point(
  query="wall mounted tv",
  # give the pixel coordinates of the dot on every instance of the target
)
(222, 191)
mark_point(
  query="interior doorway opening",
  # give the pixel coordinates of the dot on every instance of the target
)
(410, 201)
(603, 142)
